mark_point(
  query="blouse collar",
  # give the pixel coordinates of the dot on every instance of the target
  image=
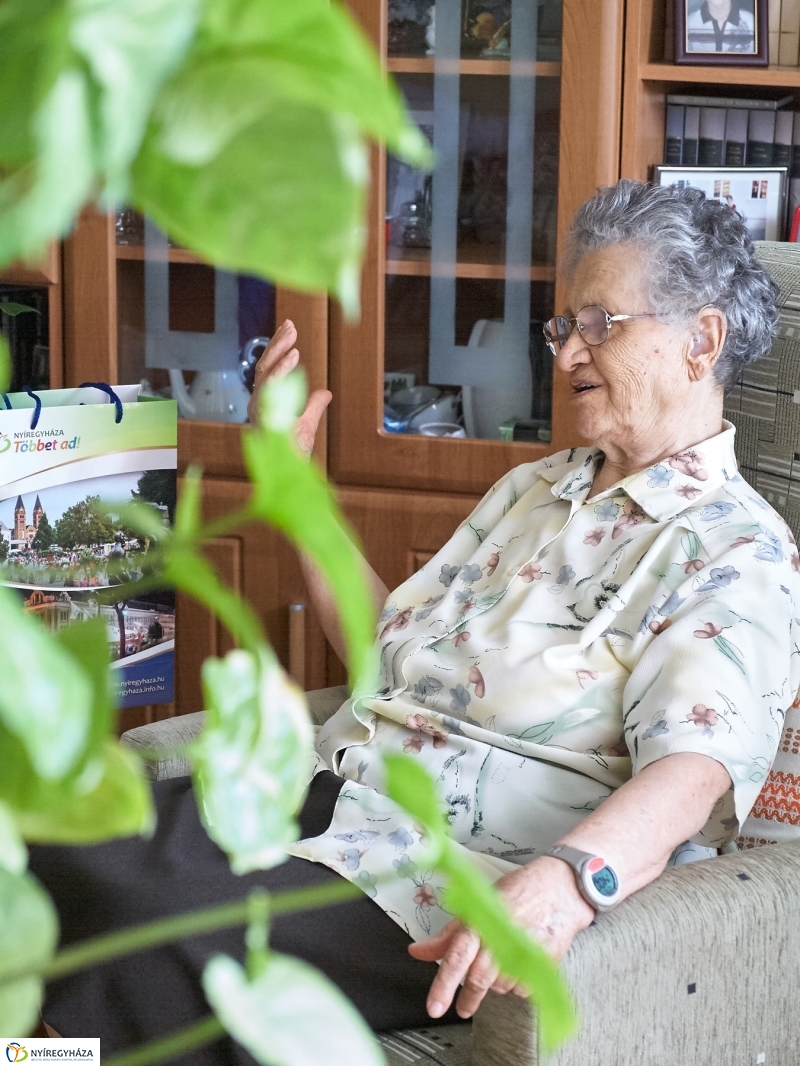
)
(664, 489)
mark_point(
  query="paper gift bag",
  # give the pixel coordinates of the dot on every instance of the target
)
(63, 452)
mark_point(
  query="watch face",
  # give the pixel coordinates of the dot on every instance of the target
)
(604, 880)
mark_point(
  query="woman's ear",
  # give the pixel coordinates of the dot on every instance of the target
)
(708, 337)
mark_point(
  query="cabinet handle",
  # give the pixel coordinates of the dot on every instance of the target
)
(297, 643)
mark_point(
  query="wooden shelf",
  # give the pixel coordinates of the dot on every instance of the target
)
(493, 67)
(176, 255)
(474, 261)
(779, 77)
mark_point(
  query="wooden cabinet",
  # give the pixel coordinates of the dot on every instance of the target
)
(257, 562)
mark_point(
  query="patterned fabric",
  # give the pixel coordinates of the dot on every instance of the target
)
(556, 645)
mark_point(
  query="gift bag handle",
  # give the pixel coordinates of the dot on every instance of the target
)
(38, 410)
(101, 385)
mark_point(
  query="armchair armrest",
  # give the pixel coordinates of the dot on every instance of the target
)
(171, 734)
(700, 967)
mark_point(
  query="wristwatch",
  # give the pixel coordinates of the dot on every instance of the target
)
(597, 881)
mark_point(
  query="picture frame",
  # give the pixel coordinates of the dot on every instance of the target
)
(757, 193)
(741, 40)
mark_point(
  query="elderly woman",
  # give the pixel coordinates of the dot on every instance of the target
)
(595, 667)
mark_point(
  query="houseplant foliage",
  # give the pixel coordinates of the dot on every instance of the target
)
(240, 127)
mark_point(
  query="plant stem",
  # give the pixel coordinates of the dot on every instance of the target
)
(179, 1043)
(226, 524)
(165, 930)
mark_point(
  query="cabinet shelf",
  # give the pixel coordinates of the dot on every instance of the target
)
(492, 67)
(474, 261)
(779, 77)
(175, 255)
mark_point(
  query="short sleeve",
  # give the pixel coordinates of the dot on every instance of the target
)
(716, 678)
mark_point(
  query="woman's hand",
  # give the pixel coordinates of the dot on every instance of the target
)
(543, 898)
(279, 357)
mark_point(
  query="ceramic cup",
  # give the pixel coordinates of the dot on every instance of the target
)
(406, 401)
(443, 409)
(442, 429)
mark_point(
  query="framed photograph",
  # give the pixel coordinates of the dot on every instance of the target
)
(721, 32)
(757, 193)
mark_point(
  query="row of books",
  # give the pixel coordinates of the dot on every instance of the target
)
(715, 131)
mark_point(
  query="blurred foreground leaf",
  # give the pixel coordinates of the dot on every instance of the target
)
(292, 495)
(251, 760)
(5, 365)
(77, 83)
(12, 309)
(28, 937)
(46, 698)
(472, 899)
(255, 155)
(290, 1015)
(119, 804)
(13, 853)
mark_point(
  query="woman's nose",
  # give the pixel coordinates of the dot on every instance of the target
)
(574, 352)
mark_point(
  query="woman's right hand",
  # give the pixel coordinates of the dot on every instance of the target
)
(279, 357)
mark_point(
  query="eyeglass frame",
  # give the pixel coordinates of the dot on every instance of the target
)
(574, 323)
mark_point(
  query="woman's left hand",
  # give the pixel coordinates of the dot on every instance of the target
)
(543, 898)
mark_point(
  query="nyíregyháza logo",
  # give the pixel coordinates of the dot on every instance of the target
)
(16, 1052)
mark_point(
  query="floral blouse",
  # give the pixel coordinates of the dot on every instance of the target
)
(559, 644)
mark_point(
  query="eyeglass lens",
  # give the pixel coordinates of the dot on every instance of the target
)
(590, 320)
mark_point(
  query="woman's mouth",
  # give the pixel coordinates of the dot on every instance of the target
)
(583, 386)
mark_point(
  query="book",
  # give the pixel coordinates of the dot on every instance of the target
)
(782, 150)
(736, 136)
(673, 137)
(711, 140)
(760, 138)
(756, 104)
(691, 133)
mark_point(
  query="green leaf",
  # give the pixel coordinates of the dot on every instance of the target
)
(28, 937)
(87, 644)
(13, 853)
(129, 47)
(251, 760)
(145, 519)
(292, 495)
(290, 1015)
(194, 575)
(33, 49)
(5, 365)
(283, 198)
(89, 811)
(309, 52)
(40, 198)
(472, 899)
(187, 510)
(46, 698)
(13, 309)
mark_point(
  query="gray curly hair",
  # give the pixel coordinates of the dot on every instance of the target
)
(698, 252)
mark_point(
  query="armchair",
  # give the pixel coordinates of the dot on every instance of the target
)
(701, 967)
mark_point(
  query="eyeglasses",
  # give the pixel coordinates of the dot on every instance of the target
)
(593, 324)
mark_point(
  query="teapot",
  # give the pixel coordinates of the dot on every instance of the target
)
(216, 395)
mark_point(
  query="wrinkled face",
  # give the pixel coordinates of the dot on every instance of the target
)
(634, 385)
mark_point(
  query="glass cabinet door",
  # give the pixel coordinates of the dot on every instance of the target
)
(179, 318)
(470, 249)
